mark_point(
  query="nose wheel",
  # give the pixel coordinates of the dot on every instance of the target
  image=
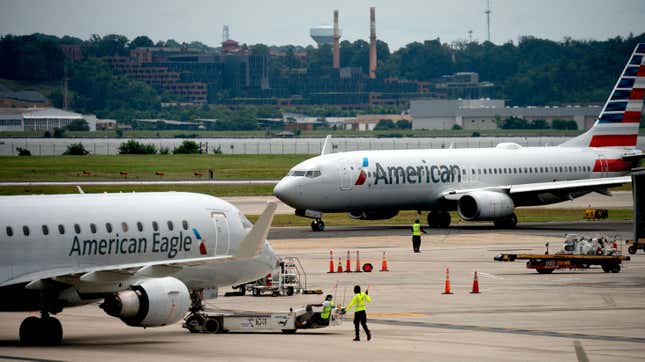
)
(317, 225)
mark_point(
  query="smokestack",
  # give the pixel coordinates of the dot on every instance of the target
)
(372, 43)
(336, 49)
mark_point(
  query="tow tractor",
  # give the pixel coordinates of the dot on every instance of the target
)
(577, 253)
(307, 317)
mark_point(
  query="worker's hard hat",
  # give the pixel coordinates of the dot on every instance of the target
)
(329, 297)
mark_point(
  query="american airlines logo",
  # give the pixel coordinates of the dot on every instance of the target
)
(394, 175)
(362, 176)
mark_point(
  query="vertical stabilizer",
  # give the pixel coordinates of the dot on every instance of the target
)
(617, 125)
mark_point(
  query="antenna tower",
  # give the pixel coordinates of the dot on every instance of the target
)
(487, 12)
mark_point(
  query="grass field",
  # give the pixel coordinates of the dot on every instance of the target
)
(144, 167)
(214, 190)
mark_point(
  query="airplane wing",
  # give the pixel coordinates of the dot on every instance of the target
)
(595, 184)
(248, 248)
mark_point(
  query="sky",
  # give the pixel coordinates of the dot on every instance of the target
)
(282, 22)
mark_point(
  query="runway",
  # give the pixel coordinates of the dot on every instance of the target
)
(519, 315)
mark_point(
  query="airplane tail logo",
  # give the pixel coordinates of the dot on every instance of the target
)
(362, 176)
(202, 245)
(617, 125)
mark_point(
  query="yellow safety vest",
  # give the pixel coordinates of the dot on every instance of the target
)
(416, 229)
(359, 300)
(326, 311)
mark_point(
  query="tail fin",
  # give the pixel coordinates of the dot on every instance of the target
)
(617, 125)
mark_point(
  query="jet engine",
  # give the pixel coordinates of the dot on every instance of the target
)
(373, 214)
(485, 205)
(152, 303)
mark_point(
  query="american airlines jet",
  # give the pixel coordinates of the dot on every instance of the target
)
(482, 183)
(147, 256)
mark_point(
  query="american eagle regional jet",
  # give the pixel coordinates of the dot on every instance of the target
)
(481, 183)
(146, 256)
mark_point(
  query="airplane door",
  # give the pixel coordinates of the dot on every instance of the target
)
(345, 171)
(222, 243)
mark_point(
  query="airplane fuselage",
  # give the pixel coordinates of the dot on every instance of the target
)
(416, 179)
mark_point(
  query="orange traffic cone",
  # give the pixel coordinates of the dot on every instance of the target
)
(384, 264)
(358, 263)
(340, 266)
(475, 285)
(331, 261)
(446, 289)
(348, 267)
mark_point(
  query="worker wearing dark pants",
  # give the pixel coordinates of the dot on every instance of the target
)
(360, 316)
(416, 236)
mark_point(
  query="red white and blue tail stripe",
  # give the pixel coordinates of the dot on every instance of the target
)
(617, 125)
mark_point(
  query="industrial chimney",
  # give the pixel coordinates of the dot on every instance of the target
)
(336, 50)
(372, 43)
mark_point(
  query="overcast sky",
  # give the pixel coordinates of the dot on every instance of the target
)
(281, 22)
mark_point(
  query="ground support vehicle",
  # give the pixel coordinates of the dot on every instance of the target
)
(307, 317)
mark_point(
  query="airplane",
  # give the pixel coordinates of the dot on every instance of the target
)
(481, 184)
(147, 256)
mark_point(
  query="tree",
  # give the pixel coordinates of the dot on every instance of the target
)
(78, 125)
(403, 124)
(32, 57)
(564, 124)
(187, 147)
(384, 124)
(59, 133)
(109, 45)
(141, 41)
(132, 147)
(76, 149)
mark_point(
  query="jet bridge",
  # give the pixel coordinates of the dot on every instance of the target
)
(638, 192)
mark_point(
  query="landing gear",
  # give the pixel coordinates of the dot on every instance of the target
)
(317, 225)
(41, 331)
(439, 218)
(508, 222)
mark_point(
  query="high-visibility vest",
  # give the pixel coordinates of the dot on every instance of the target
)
(326, 311)
(359, 300)
(416, 229)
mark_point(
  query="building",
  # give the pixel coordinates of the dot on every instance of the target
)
(21, 99)
(482, 114)
(39, 119)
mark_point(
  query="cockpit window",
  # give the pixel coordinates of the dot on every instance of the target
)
(312, 174)
(298, 173)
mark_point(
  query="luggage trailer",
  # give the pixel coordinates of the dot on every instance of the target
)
(547, 263)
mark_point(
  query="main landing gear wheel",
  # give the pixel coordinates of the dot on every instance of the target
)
(508, 222)
(317, 225)
(440, 219)
(41, 331)
(632, 249)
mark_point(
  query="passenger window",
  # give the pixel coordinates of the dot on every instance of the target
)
(139, 226)
(484, 171)
(77, 228)
(108, 227)
(124, 227)
(155, 226)
(25, 230)
(170, 225)
(93, 228)
(184, 224)
(473, 171)
(479, 171)
(495, 171)
(45, 230)
(514, 169)
(61, 229)
(490, 171)
(9, 231)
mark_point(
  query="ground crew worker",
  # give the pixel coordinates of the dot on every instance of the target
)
(323, 318)
(360, 316)
(416, 235)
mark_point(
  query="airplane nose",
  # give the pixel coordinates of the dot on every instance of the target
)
(287, 191)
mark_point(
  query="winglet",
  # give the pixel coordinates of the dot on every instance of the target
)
(80, 190)
(254, 240)
(326, 146)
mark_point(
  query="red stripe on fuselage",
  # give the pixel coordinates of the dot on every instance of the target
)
(637, 94)
(612, 165)
(641, 71)
(613, 140)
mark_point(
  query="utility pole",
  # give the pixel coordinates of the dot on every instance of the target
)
(470, 36)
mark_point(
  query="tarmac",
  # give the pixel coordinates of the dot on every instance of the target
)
(519, 314)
